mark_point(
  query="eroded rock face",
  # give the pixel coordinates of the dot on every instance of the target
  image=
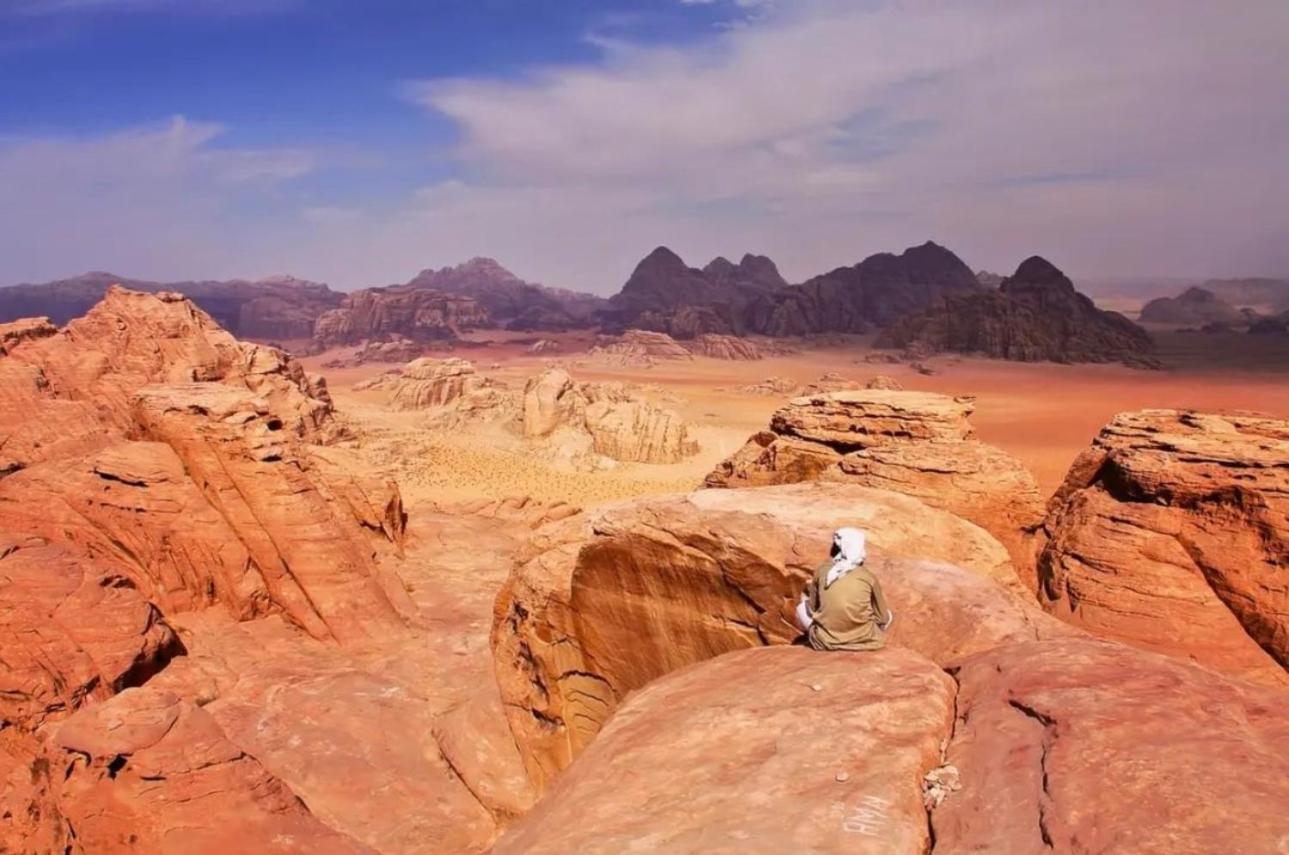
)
(641, 348)
(1035, 315)
(575, 420)
(149, 772)
(71, 392)
(773, 749)
(24, 329)
(602, 603)
(509, 300)
(916, 443)
(399, 311)
(726, 347)
(277, 308)
(1077, 745)
(450, 391)
(1171, 533)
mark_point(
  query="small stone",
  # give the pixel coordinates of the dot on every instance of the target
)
(816, 688)
(842, 777)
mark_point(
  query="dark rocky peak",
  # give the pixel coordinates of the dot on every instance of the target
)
(1037, 277)
(661, 259)
(762, 270)
(721, 268)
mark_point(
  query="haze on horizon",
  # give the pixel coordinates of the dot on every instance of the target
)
(358, 143)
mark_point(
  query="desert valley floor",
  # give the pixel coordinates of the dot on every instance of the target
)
(417, 608)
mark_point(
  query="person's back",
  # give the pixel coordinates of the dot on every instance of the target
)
(847, 613)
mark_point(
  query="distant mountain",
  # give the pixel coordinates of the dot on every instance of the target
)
(665, 294)
(509, 300)
(1271, 295)
(874, 293)
(1193, 307)
(989, 279)
(1035, 315)
(279, 308)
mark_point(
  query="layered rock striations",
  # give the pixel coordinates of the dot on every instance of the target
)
(1035, 315)
(640, 349)
(1172, 533)
(916, 443)
(577, 422)
(398, 312)
(602, 603)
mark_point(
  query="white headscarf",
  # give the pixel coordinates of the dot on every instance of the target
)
(849, 545)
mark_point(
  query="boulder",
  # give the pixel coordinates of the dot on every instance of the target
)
(1078, 745)
(917, 443)
(1172, 533)
(774, 750)
(604, 602)
(881, 381)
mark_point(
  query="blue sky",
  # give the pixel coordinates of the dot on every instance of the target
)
(357, 142)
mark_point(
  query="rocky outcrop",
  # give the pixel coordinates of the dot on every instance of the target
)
(916, 443)
(24, 329)
(730, 347)
(450, 391)
(881, 381)
(397, 350)
(407, 312)
(875, 293)
(640, 349)
(577, 422)
(71, 392)
(1171, 533)
(509, 300)
(1080, 745)
(686, 746)
(1193, 307)
(149, 772)
(602, 603)
(1034, 316)
(279, 308)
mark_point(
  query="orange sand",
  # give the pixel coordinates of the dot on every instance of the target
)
(1044, 414)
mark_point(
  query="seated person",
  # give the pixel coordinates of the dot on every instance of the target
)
(843, 607)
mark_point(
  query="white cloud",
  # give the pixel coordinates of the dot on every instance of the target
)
(159, 200)
(1116, 137)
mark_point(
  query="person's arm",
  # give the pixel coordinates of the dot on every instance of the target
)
(884, 614)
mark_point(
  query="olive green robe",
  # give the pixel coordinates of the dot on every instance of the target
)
(847, 612)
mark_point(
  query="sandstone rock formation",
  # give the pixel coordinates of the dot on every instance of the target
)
(773, 750)
(578, 421)
(1170, 533)
(72, 392)
(509, 300)
(732, 347)
(1080, 745)
(280, 308)
(1193, 307)
(398, 312)
(451, 392)
(602, 603)
(881, 381)
(916, 443)
(149, 772)
(24, 329)
(1064, 745)
(640, 348)
(1035, 315)
(397, 349)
